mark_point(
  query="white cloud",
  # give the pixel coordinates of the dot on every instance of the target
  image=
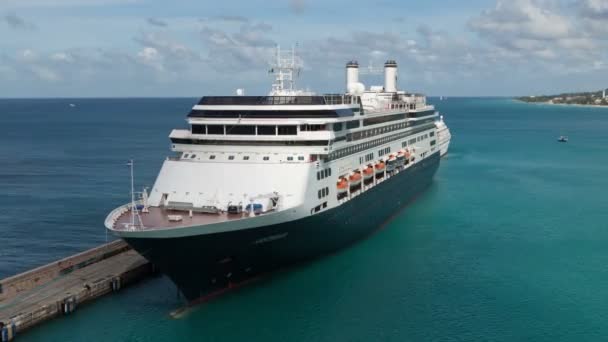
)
(150, 56)
(541, 35)
(597, 9)
(522, 19)
(27, 55)
(246, 47)
(45, 73)
(62, 57)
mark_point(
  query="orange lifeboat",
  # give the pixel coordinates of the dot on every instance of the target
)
(368, 172)
(342, 185)
(380, 166)
(355, 178)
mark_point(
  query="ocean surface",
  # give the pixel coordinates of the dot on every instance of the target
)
(510, 243)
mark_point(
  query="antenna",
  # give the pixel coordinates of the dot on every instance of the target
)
(286, 64)
(134, 211)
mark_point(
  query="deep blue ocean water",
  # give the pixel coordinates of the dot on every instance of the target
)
(508, 244)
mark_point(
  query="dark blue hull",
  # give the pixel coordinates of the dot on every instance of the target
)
(201, 265)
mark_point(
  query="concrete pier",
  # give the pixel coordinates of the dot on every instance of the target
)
(57, 289)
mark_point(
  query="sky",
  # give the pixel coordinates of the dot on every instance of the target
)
(133, 48)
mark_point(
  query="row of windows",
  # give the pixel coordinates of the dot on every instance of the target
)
(353, 124)
(411, 106)
(379, 120)
(249, 142)
(311, 128)
(249, 129)
(367, 145)
(384, 151)
(323, 174)
(366, 158)
(422, 137)
(232, 157)
(318, 208)
(381, 130)
(323, 193)
(206, 113)
(383, 119)
(292, 129)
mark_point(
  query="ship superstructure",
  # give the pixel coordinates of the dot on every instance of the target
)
(259, 182)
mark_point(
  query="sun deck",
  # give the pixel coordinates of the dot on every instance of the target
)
(159, 218)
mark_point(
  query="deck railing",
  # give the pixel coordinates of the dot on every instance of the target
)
(115, 214)
(328, 99)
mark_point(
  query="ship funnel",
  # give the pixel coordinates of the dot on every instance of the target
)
(352, 73)
(390, 76)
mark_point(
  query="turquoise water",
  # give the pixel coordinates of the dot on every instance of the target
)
(508, 244)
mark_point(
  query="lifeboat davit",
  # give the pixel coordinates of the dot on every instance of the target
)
(401, 158)
(342, 185)
(355, 178)
(368, 172)
(407, 154)
(391, 163)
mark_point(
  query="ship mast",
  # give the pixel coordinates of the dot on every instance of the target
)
(285, 66)
(134, 211)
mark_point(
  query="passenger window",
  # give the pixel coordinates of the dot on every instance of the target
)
(246, 158)
(231, 158)
(212, 157)
(266, 158)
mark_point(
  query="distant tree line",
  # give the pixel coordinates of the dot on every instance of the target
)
(588, 98)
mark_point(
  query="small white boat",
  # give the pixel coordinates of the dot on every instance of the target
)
(563, 138)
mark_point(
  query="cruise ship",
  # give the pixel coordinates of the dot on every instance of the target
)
(258, 183)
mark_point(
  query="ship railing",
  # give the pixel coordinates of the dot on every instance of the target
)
(261, 100)
(337, 99)
(115, 214)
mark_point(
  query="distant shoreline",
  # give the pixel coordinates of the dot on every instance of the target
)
(561, 104)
